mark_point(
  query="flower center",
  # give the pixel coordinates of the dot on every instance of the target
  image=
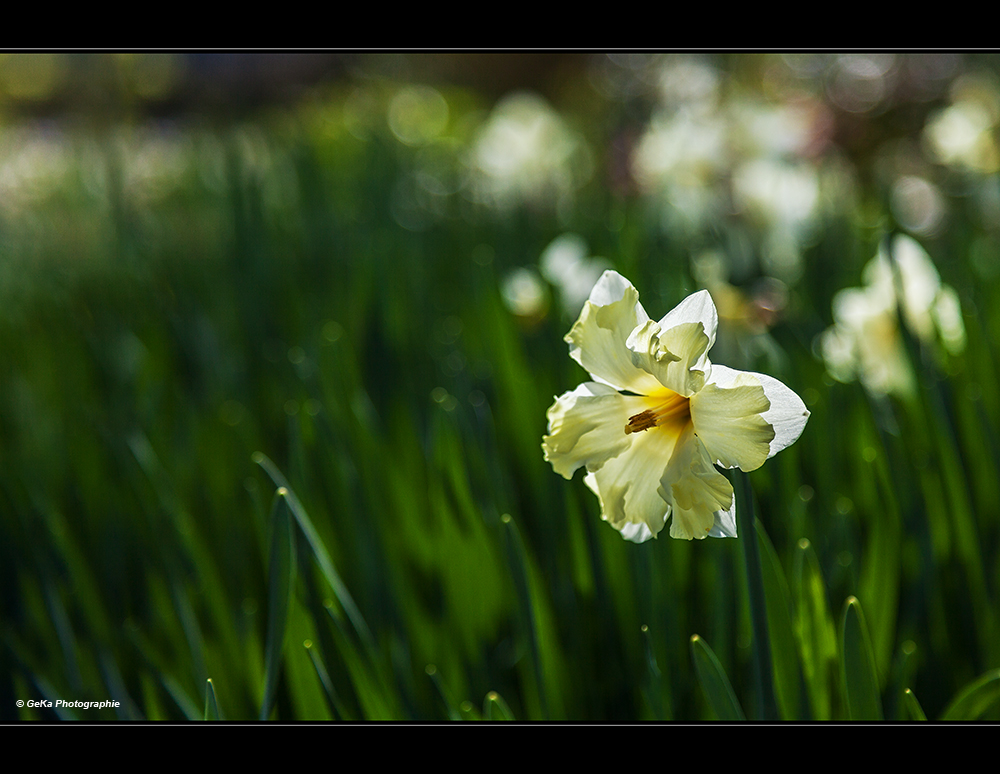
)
(674, 409)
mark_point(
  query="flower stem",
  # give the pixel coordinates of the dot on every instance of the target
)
(767, 706)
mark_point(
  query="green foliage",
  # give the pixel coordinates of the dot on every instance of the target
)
(270, 448)
(857, 664)
(714, 682)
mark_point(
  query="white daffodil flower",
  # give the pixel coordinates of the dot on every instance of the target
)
(658, 416)
(865, 341)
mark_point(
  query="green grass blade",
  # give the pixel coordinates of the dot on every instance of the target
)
(431, 671)
(714, 682)
(816, 632)
(319, 551)
(767, 705)
(324, 678)
(912, 707)
(784, 650)
(519, 572)
(184, 702)
(975, 700)
(117, 690)
(211, 703)
(858, 666)
(281, 576)
(653, 688)
(495, 708)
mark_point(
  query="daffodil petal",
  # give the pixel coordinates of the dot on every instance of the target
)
(587, 427)
(597, 339)
(698, 307)
(610, 288)
(727, 416)
(671, 354)
(786, 414)
(675, 349)
(725, 522)
(696, 491)
(921, 284)
(636, 533)
(628, 485)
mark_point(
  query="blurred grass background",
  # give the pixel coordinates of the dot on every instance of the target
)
(279, 334)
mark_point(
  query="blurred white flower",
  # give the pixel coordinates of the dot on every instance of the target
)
(688, 83)
(681, 159)
(565, 264)
(651, 455)
(777, 131)
(35, 162)
(777, 192)
(962, 135)
(524, 294)
(782, 198)
(865, 342)
(525, 153)
(154, 162)
(704, 160)
(917, 205)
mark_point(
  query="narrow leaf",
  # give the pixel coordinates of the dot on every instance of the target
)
(281, 574)
(495, 708)
(714, 682)
(976, 699)
(319, 551)
(784, 651)
(913, 709)
(211, 703)
(858, 666)
(816, 632)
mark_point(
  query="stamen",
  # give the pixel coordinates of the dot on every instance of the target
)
(674, 408)
(642, 421)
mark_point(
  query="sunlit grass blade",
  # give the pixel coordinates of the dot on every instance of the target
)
(960, 511)
(784, 651)
(281, 576)
(858, 666)
(431, 671)
(211, 703)
(714, 681)
(879, 581)
(126, 709)
(767, 706)
(319, 551)
(64, 630)
(519, 573)
(495, 708)
(374, 698)
(152, 699)
(653, 687)
(904, 674)
(306, 694)
(333, 700)
(184, 702)
(912, 707)
(816, 632)
(976, 700)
